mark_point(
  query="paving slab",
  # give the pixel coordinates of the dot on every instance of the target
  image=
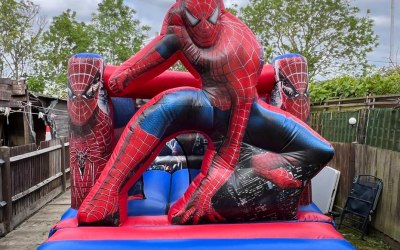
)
(34, 231)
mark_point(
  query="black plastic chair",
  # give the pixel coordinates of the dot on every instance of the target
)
(361, 203)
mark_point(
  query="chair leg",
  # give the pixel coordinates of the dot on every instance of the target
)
(341, 219)
(364, 227)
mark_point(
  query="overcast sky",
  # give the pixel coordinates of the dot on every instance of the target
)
(151, 12)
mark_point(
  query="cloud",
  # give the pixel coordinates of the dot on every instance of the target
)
(381, 21)
(83, 8)
(152, 12)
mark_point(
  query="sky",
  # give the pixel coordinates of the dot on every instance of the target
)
(151, 12)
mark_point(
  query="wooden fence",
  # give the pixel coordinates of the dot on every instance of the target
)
(378, 120)
(371, 146)
(368, 102)
(29, 178)
(374, 127)
(353, 159)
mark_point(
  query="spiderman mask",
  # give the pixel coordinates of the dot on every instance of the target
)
(291, 90)
(202, 20)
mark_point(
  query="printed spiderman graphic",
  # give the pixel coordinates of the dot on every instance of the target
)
(218, 48)
(91, 125)
(291, 91)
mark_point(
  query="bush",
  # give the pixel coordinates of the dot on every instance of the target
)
(383, 82)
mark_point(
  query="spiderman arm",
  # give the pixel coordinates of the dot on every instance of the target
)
(152, 60)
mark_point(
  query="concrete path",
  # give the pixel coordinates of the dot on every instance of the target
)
(34, 231)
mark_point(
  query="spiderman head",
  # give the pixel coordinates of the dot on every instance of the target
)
(202, 20)
(84, 82)
(291, 90)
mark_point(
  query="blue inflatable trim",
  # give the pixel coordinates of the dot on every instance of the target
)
(210, 244)
(290, 55)
(310, 208)
(124, 109)
(179, 183)
(87, 55)
(156, 188)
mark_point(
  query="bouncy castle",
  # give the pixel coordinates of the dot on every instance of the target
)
(218, 157)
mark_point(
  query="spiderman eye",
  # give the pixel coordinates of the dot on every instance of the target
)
(287, 87)
(192, 19)
(71, 94)
(214, 17)
(92, 89)
(307, 93)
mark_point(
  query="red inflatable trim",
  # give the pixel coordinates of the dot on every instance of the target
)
(162, 220)
(174, 79)
(276, 230)
(309, 226)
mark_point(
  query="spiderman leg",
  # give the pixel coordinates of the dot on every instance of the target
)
(295, 154)
(166, 115)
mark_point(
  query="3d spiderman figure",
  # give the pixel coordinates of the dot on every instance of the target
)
(217, 47)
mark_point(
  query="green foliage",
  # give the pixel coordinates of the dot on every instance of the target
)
(383, 82)
(36, 83)
(329, 33)
(233, 9)
(116, 32)
(20, 30)
(65, 37)
(178, 66)
(113, 33)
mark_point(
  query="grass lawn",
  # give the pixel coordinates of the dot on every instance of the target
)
(370, 242)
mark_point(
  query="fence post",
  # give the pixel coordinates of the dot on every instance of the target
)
(6, 187)
(63, 177)
(352, 163)
(362, 126)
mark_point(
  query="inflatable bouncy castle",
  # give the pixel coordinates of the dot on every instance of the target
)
(217, 158)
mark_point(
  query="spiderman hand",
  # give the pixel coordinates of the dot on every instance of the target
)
(117, 83)
(280, 177)
(270, 166)
(200, 208)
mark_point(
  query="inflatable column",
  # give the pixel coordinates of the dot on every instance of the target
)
(91, 125)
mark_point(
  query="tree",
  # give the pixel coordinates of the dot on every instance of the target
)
(64, 38)
(113, 33)
(329, 33)
(20, 29)
(117, 34)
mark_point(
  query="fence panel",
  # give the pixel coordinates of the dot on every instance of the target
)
(344, 162)
(383, 128)
(2, 201)
(35, 177)
(316, 121)
(335, 126)
(375, 127)
(356, 159)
